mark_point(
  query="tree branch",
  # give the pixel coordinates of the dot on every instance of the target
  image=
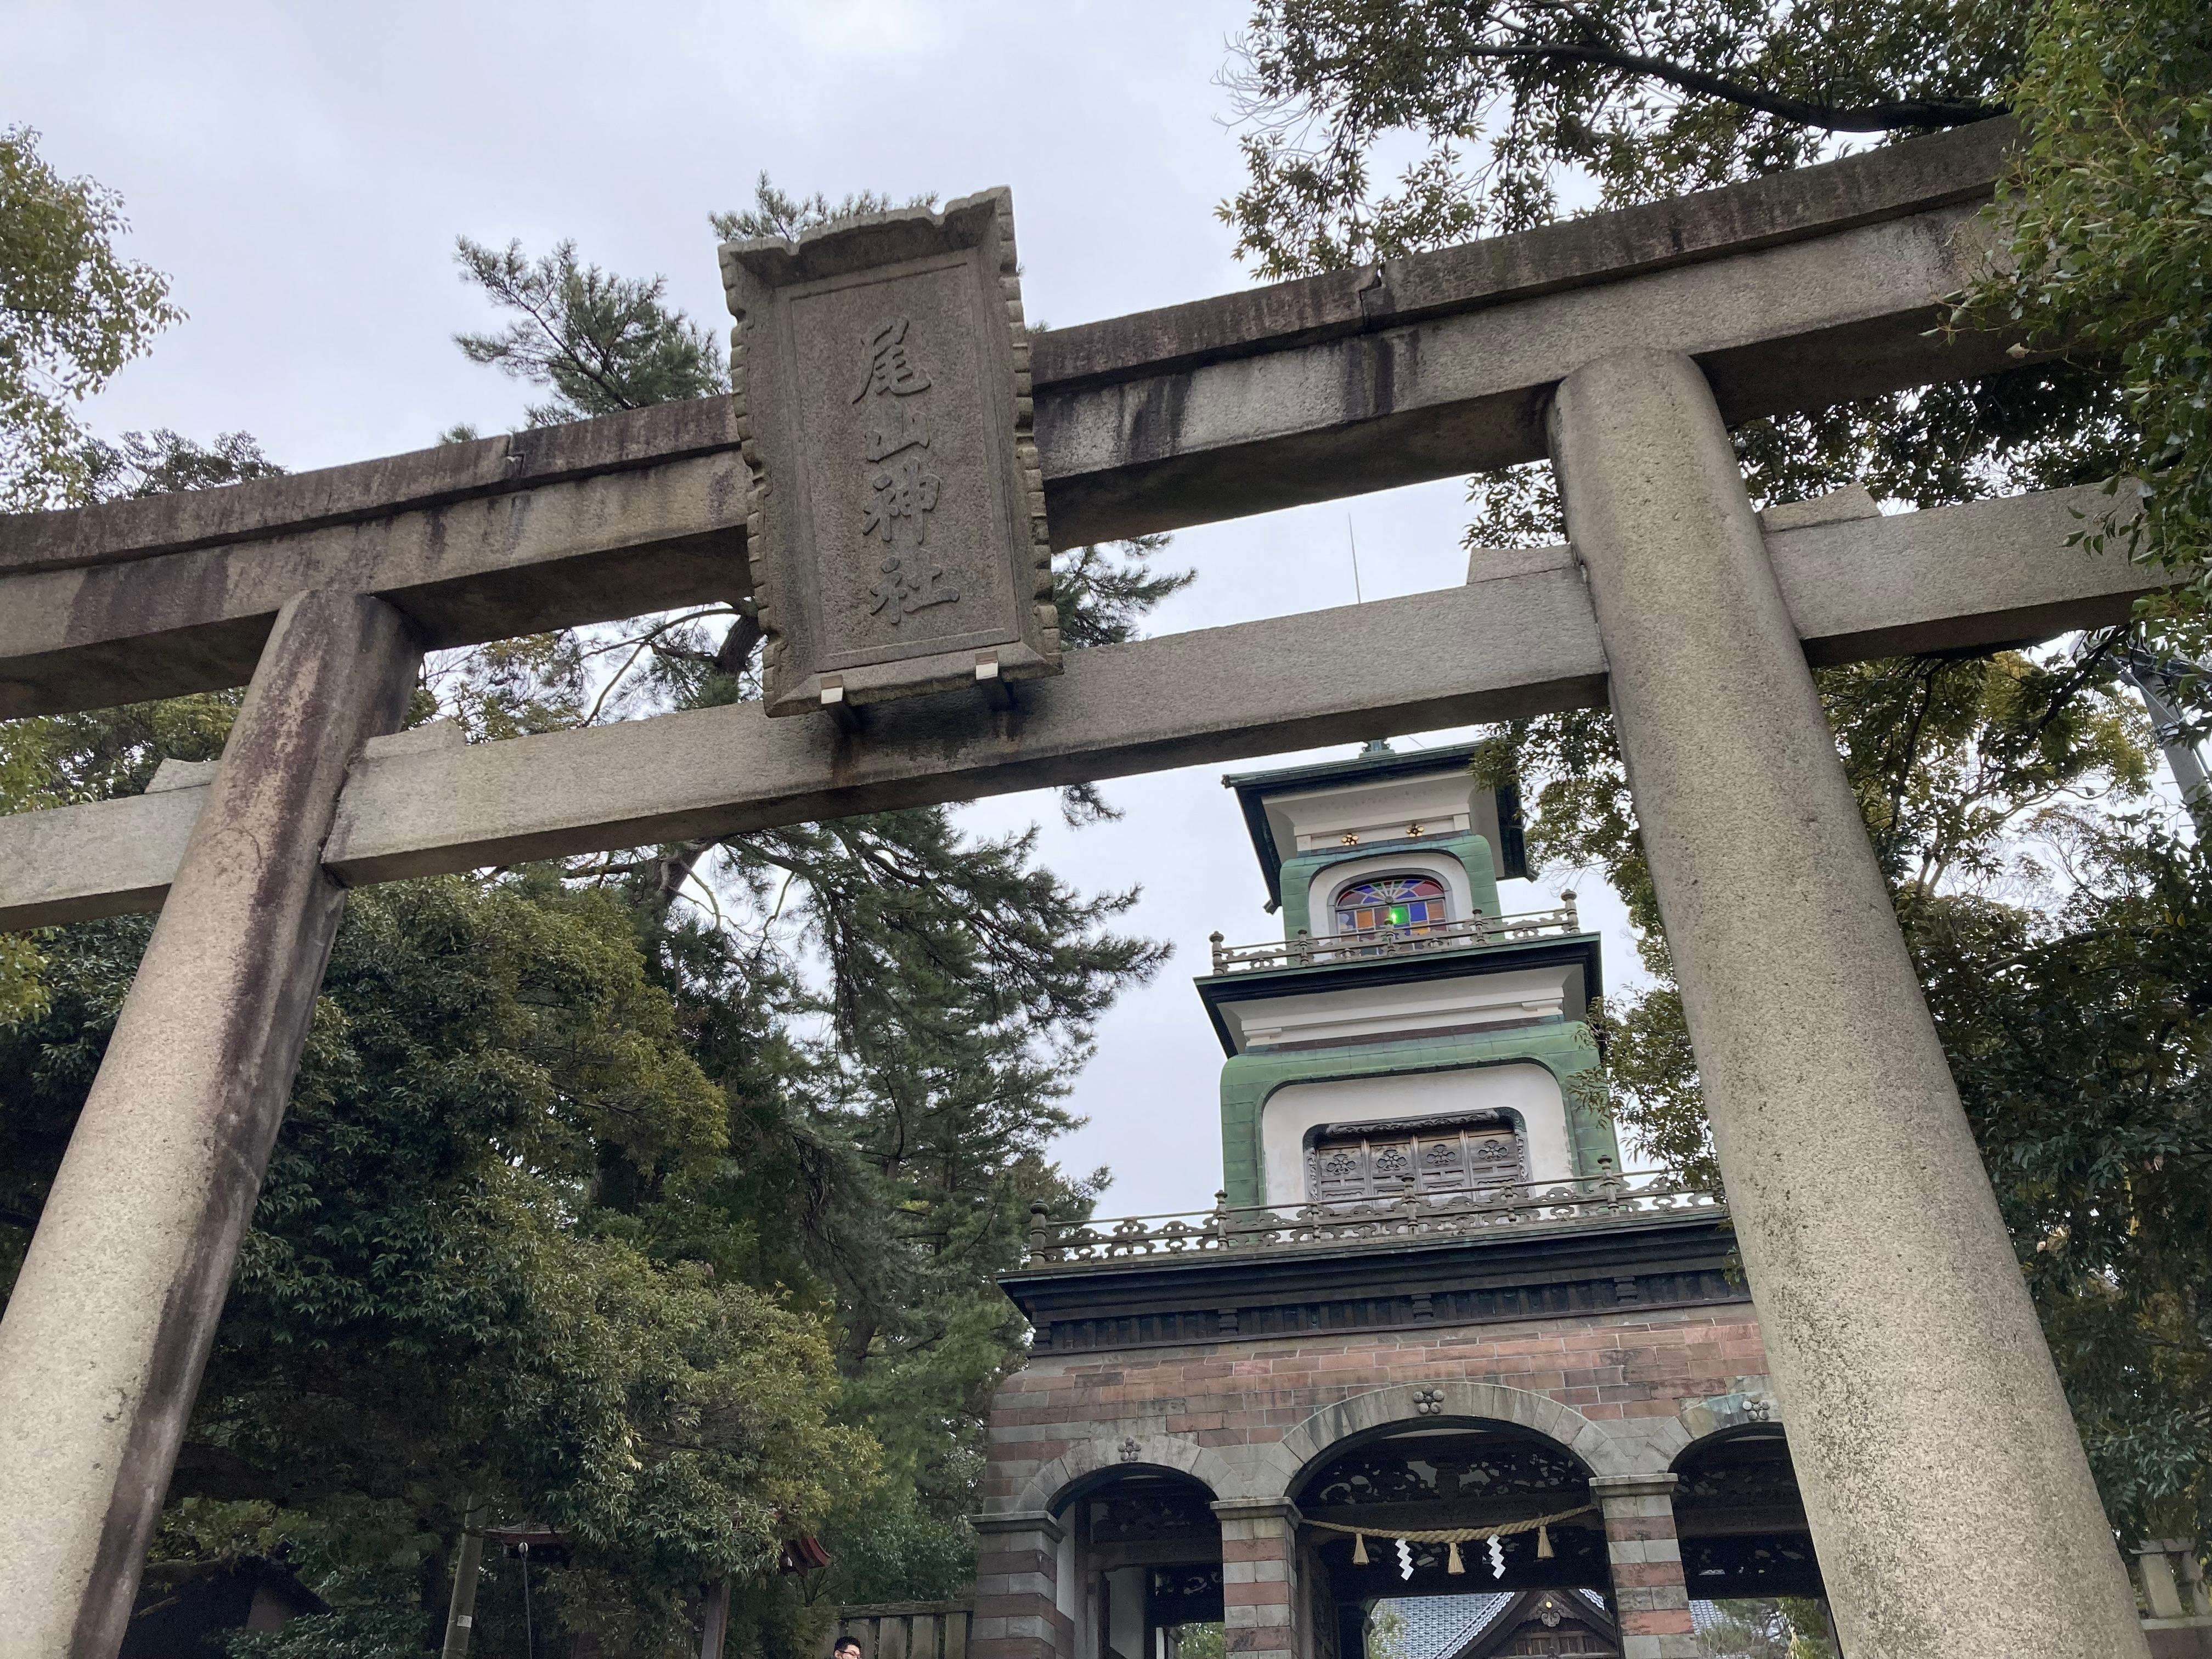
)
(1863, 118)
(735, 653)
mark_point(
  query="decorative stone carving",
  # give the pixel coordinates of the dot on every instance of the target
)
(1749, 1399)
(897, 531)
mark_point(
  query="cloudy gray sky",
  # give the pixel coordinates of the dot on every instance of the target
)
(302, 172)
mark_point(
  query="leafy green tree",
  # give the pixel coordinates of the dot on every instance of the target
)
(435, 1308)
(1512, 100)
(1742, 1629)
(142, 464)
(2051, 911)
(73, 310)
(2112, 239)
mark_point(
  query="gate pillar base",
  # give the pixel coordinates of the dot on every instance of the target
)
(1646, 1557)
(1259, 1578)
(1017, 1612)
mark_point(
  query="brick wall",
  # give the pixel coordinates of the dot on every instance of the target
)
(1608, 1367)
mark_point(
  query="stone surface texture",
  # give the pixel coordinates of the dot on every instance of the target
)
(1954, 577)
(1941, 171)
(1793, 324)
(1259, 1577)
(1792, 291)
(897, 533)
(480, 568)
(1949, 1497)
(1651, 1601)
(109, 1324)
(1017, 1607)
(126, 531)
(1249, 1418)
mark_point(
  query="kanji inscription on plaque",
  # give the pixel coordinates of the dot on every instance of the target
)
(897, 534)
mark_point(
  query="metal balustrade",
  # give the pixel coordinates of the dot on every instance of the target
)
(1305, 950)
(1527, 1207)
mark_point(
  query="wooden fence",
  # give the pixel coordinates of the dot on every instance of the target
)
(908, 1629)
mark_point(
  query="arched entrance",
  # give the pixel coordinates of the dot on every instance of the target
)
(1545, 1590)
(1140, 1567)
(1747, 1560)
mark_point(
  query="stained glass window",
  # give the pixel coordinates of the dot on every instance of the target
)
(1411, 902)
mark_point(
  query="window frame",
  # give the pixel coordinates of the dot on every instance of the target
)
(1442, 899)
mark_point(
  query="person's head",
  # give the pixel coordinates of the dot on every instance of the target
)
(846, 1647)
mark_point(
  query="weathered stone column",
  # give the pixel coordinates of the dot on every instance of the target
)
(1649, 1598)
(1017, 1612)
(1949, 1498)
(108, 1329)
(1259, 1553)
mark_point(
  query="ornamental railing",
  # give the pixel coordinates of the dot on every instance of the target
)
(1527, 1207)
(1304, 950)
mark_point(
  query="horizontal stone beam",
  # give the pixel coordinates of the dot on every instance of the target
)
(360, 490)
(1801, 325)
(1892, 183)
(482, 567)
(1518, 639)
(1792, 291)
(1795, 291)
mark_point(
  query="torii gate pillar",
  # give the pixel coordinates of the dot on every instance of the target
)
(115, 1310)
(1948, 1495)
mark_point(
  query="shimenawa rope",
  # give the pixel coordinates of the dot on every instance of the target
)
(1455, 1536)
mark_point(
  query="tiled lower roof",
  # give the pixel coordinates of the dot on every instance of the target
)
(1438, 1626)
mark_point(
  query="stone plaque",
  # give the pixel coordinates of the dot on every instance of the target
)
(897, 533)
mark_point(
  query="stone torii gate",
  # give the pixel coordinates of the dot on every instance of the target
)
(1939, 1465)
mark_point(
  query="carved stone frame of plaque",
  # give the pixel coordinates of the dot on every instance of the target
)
(896, 530)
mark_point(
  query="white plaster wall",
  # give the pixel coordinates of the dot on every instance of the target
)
(1327, 884)
(1527, 1089)
(1381, 1011)
(1441, 803)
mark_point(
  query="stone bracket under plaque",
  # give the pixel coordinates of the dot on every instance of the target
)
(897, 528)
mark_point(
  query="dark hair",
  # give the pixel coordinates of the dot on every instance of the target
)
(844, 1642)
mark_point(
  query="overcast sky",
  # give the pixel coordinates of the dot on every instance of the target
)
(302, 172)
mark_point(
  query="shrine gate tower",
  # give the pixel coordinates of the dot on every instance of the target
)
(1427, 1307)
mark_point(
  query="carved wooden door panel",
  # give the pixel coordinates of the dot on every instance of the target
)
(1429, 1156)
